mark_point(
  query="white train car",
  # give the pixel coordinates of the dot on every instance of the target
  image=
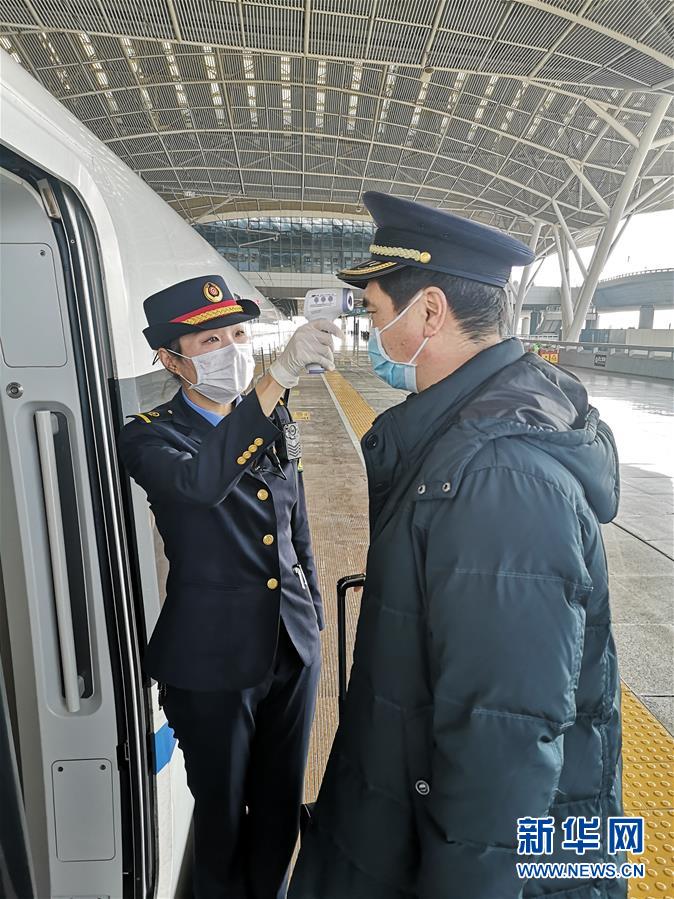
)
(95, 802)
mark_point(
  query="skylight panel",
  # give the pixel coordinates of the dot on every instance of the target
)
(353, 96)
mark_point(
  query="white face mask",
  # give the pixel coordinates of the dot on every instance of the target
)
(222, 374)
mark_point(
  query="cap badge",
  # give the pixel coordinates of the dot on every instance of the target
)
(212, 292)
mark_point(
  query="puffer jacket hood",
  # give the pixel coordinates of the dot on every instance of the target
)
(546, 405)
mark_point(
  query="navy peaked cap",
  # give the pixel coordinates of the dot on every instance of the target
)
(199, 304)
(413, 234)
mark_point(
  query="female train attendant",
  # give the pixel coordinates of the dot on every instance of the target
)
(236, 648)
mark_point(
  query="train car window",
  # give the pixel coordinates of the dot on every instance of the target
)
(32, 329)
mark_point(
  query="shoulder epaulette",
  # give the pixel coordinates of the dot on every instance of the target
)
(154, 415)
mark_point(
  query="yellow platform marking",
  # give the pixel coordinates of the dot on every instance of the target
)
(360, 414)
(302, 416)
(648, 749)
(648, 791)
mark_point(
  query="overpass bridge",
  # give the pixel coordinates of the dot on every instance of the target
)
(653, 287)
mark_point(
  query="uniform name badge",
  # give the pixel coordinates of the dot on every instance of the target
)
(292, 440)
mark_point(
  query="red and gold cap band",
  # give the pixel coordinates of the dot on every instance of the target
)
(206, 313)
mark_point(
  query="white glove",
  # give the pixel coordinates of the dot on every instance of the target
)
(311, 343)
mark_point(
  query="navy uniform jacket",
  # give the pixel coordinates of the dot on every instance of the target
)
(234, 524)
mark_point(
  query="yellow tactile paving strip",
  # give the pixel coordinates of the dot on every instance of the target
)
(359, 413)
(648, 790)
(648, 749)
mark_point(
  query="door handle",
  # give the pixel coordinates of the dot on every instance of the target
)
(57, 550)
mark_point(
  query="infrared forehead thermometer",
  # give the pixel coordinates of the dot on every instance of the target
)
(328, 304)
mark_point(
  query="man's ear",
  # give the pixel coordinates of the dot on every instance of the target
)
(435, 310)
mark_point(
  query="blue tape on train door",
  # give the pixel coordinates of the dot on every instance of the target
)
(164, 744)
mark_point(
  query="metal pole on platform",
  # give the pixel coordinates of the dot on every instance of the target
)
(604, 243)
(569, 239)
(620, 233)
(566, 301)
(526, 274)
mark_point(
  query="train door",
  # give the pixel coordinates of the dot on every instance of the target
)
(75, 712)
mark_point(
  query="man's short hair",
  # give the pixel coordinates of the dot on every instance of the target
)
(480, 309)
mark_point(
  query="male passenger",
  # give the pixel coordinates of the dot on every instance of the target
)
(484, 687)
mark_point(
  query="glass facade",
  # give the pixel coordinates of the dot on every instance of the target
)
(303, 245)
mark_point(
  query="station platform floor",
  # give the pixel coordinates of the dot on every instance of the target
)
(336, 409)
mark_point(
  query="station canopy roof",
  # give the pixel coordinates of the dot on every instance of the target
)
(495, 110)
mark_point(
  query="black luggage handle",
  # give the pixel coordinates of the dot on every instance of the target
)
(343, 585)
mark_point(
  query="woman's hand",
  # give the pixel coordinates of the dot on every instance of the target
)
(311, 343)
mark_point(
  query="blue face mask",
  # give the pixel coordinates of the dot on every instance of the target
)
(401, 375)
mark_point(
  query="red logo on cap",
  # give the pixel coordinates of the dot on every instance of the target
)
(212, 292)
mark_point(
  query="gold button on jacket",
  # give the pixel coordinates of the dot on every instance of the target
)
(258, 441)
(240, 461)
(268, 539)
(262, 495)
(272, 583)
(252, 448)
